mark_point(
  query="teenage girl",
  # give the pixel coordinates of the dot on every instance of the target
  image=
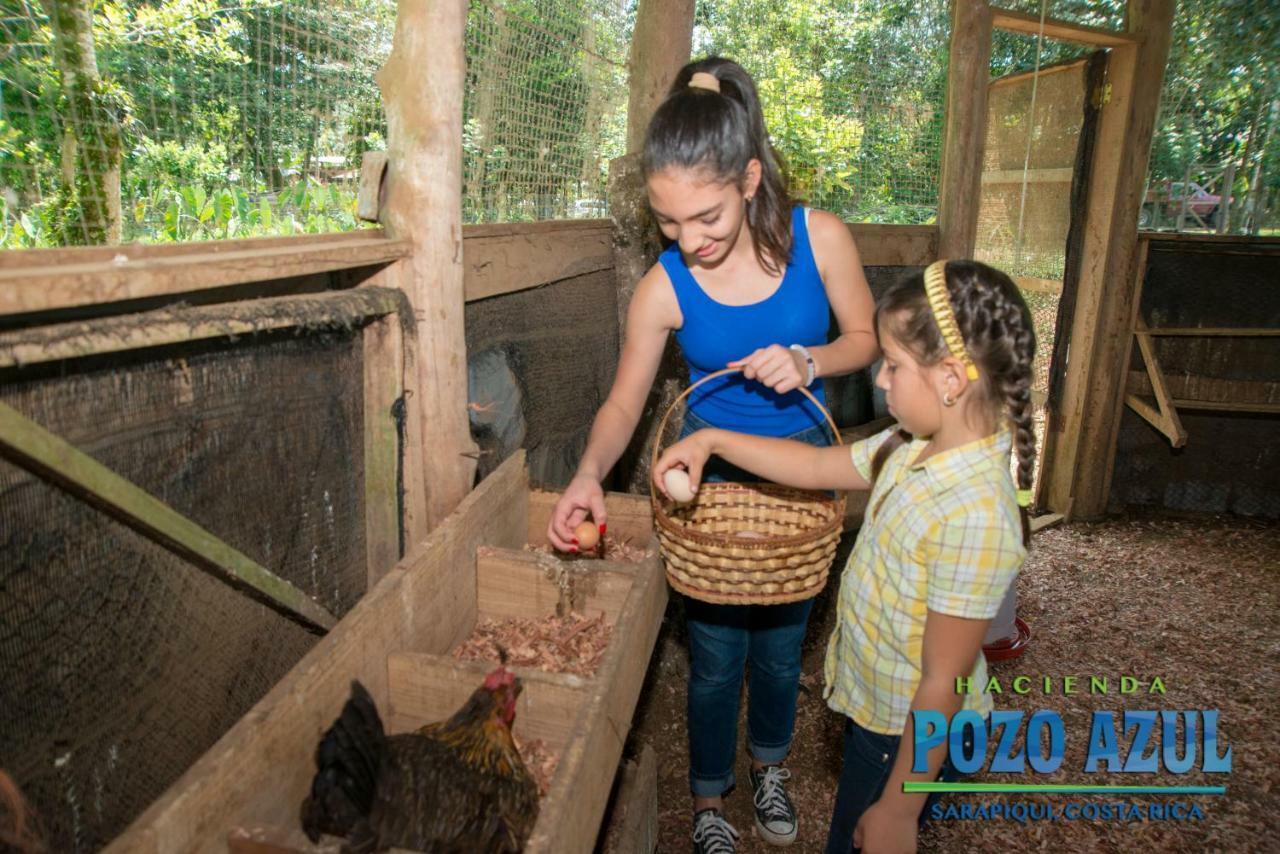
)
(944, 534)
(749, 280)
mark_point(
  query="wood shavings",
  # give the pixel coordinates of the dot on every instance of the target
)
(569, 644)
(541, 761)
(624, 549)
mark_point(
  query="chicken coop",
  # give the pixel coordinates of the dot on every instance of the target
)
(238, 472)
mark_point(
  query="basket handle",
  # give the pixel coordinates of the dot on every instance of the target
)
(662, 425)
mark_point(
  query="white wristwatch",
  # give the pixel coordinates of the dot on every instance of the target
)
(811, 367)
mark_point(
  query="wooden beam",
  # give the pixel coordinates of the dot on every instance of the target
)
(633, 828)
(369, 195)
(1209, 389)
(659, 48)
(1166, 421)
(1084, 437)
(509, 258)
(1040, 286)
(383, 442)
(1033, 176)
(184, 324)
(50, 279)
(1028, 24)
(1041, 74)
(966, 124)
(895, 245)
(1156, 373)
(1225, 405)
(1048, 520)
(1248, 244)
(31, 446)
(1213, 332)
(422, 85)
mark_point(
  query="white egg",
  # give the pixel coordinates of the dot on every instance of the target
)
(677, 484)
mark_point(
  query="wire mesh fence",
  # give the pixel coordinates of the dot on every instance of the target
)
(1034, 124)
(193, 119)
(545, 107)
(121, 661)
(1215, 159)
(853, 96)
(185, 119)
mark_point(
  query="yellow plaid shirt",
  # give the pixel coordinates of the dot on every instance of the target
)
(944, 535)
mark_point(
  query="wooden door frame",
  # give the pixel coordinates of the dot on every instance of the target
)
(1080, 447)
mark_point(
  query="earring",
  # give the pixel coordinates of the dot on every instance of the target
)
(748, 199)
(948, 400)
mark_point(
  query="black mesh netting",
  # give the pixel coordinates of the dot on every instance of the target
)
(1231, 461)
(122, 663)
(561, 343)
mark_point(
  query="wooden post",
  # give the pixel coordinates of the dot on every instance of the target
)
(422, 85)
(660, 47)
(968, 76)
(1077, 473)
(663, 39)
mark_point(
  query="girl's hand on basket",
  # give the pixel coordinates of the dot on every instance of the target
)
(779, 368)
(690, 454)
(583, 496)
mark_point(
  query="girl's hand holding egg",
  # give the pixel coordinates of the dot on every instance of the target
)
(677, 485)
(679, 469)
(587, 534)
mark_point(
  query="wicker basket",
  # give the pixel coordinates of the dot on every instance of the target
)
(747, 543)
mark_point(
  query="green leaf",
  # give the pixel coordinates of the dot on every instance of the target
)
(171, 216)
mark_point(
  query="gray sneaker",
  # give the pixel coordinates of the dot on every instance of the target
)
(712, 834)
(775, 816)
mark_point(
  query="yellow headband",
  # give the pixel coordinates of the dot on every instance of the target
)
(935, 287)
(705, 80)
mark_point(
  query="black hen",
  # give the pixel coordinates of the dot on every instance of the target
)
(456, 786)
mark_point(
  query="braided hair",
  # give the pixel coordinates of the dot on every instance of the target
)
(999, 335)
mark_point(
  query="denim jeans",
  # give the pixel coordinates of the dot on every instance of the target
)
(723, 640)
(868, 762)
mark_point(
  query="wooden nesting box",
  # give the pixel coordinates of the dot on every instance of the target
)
(397, 641)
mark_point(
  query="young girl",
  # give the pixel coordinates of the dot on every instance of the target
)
(748, 280)
(943, 535)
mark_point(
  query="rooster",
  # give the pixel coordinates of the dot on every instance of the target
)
(454, 786)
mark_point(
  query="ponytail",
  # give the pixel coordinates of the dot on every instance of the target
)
(721, 132)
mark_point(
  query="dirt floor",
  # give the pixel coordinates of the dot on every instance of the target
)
(1193, 601)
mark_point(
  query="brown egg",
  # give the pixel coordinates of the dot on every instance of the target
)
(587, 534)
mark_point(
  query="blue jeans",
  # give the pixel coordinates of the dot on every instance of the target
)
(868, 762)
(723, 640)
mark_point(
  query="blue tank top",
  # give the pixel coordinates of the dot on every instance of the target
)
(714, 334)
